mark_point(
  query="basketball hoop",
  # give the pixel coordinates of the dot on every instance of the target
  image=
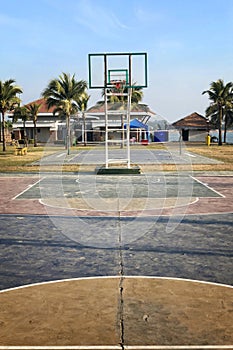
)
(118, 84)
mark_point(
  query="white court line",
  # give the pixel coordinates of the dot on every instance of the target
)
(29, 186)
(210, 188)
(65, 347)
(69, 160)
(60, 155)
(141, 210)
(116, 277)
(190, 155)
(118, 347)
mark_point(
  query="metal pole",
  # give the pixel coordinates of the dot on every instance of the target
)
(128, 113)
(106, 127)
(106, 111)
(68, 134)
(128, 127)
(180, 145)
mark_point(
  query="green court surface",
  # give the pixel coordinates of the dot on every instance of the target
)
(141, 186)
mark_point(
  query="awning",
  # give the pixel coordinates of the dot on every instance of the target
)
(136, 124)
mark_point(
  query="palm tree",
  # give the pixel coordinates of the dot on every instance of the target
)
(33, 110)
(8, 101)
(82, 106)
(228, 118)
(212, 113)
(64, 94)
(220, 95)
(23, 114)
(136, 95)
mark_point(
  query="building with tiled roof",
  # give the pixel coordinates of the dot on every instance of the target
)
(49, 126)
(193, 127)
(43, 106)
(95, 120)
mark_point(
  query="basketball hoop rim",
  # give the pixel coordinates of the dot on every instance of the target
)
(125, 85)
(118, 84)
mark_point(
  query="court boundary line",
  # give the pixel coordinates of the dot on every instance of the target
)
(195, 200)
(115, 347)
(207, 186)
(27, 189)
(177, 279)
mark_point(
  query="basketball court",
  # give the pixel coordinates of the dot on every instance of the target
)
(116, 261)
(93, 261)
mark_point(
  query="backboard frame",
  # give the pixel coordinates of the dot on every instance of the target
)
(105, 57)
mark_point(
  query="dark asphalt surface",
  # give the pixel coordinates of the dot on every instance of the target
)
(36, 249)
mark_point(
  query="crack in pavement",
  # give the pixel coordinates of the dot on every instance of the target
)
(121, 284)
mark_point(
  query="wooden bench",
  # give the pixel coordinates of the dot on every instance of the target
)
(20, 151)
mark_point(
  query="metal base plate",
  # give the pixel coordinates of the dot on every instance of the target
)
(118, 170)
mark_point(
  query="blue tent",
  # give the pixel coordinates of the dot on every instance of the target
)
(136, 124)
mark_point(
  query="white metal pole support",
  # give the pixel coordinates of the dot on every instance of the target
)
(128, 127)
(106, 127)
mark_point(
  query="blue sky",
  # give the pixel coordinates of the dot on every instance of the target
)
(189, 44)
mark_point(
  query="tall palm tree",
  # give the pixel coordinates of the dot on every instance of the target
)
(64, 94)
(219, 95)
(33, 110)
(82, 106)
(8, 101)
(23, 114)
(212, 113)
(228, 118)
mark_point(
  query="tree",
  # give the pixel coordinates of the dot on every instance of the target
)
(64, 94)
(136, 95)
(23, 114)
(33, 110)
(8, 101)
(220, 95)
(82, 106)
(228, 118)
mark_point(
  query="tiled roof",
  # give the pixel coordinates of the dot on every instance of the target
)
(193, 120)
(44, 107)
(118, 106)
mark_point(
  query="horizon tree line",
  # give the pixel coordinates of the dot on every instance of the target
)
(69, 96)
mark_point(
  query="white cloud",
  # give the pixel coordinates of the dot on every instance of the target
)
(98, 19)
(147, 16)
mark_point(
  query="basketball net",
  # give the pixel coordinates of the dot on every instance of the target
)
(118, 84)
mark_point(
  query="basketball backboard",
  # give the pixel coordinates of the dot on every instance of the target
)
(106, 68)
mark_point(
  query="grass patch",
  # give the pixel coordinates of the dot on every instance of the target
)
(223, 153)
(12, 163)
(15, 163)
